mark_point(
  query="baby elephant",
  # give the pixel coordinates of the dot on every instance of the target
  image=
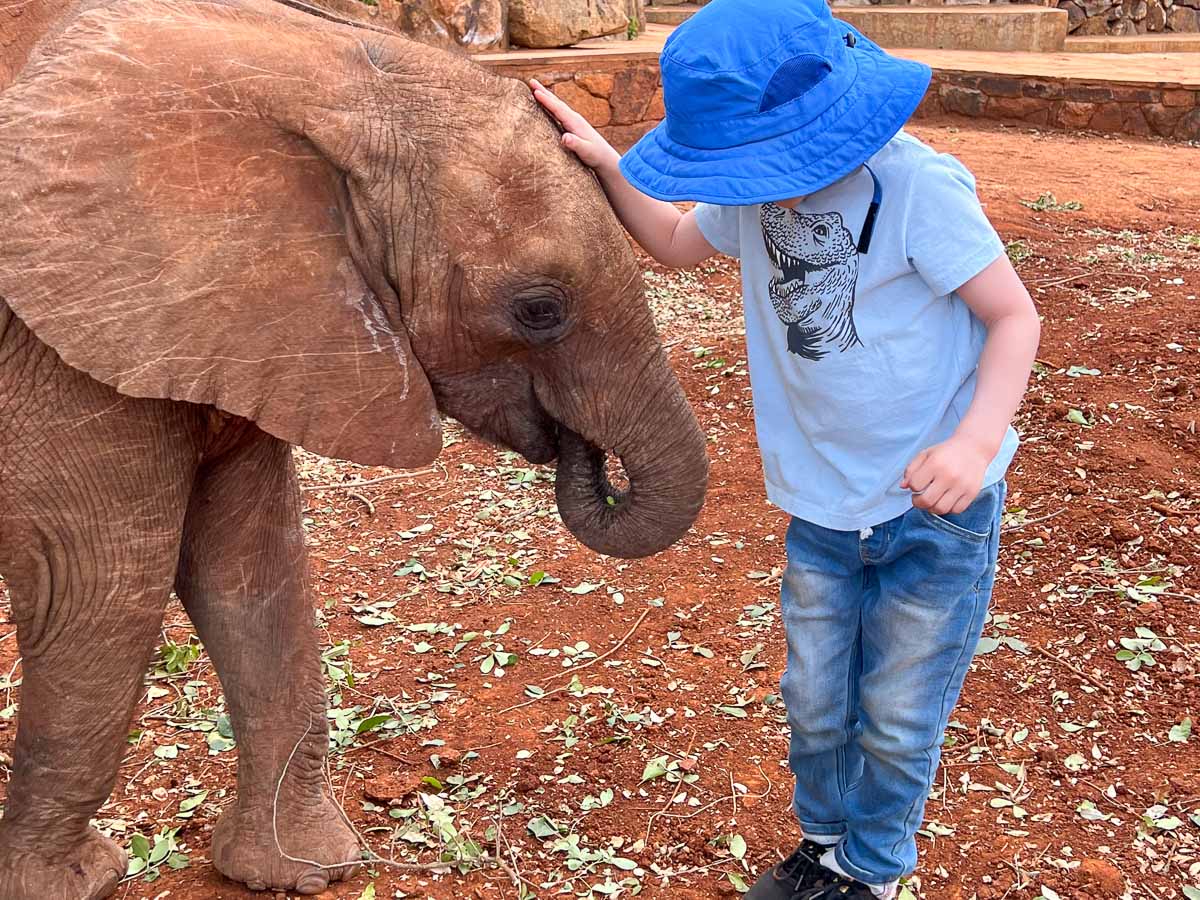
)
(229, 227)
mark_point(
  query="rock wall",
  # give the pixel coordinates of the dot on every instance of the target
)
(1090, 17)
(1147, 110)
(1124, 17)
(623, 98)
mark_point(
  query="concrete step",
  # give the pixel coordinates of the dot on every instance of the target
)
(1004, 27)
(675, 14)
(1007, 27)
(1136, 43)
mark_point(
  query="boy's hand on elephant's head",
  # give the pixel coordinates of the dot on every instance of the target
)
(580, 137)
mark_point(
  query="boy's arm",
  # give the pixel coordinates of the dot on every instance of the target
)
(671, 237)
(946, 478)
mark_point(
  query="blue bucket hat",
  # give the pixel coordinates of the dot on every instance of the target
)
(770, 100)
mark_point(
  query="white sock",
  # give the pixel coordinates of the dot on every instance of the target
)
(825, 840)
(882, 891)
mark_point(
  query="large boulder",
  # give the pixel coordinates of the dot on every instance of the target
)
(472, 24)
(560, 23)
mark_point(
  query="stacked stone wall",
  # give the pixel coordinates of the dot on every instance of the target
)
(1113, 108)
(623, 97)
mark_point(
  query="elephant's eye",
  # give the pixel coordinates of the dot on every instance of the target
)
(539, 313)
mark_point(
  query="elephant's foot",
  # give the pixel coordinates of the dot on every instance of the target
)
(90, 871)
(312, 834)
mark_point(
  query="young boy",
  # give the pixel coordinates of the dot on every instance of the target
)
(890, 342)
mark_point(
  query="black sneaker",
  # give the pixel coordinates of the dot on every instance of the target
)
(800, 872)
(839, 889)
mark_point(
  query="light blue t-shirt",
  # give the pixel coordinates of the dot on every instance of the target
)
(860, 361)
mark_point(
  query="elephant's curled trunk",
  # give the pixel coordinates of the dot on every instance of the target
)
(667, 471)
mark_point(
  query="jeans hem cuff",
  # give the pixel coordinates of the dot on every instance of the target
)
(857, 872)
(812, 830)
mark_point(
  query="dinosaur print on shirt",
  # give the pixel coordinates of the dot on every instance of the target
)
(816, 271)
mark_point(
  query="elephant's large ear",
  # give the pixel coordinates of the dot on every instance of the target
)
(173, 244)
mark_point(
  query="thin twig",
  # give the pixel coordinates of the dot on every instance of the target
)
(1082, 674)
(351, 485)
(1154, 505)
(1007, 528)
(1083, 275)
(1113, 800)
(615, 647)
(363, 500)
(732, 796)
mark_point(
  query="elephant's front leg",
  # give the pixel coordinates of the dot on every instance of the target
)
(243, 580)
(93, 491)
(87, 623)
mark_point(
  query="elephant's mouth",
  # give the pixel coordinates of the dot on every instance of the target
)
(628, 485)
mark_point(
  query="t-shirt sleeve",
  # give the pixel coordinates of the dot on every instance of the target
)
(949, 237)
(720, 226)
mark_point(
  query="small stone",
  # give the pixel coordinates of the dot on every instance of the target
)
(656, 111)
(1188, 128)
(1092, 26)
(964, 101)
(633, 90)
(1162, 119)
(1156, 17)
(1074, 115)
(1122, 532)
(1076, 15)
(1107, 118)
(1149, 607)
(598, 84)
(1102, 878)
(1029, 109)
(1135, 122)
(595, 109)
(1183, 19)
(390, 788)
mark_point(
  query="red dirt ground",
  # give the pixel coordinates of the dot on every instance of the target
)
(1061, 778)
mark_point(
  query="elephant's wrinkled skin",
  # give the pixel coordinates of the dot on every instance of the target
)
(229, 226)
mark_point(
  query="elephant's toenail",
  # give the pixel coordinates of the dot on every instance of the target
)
(312, 883)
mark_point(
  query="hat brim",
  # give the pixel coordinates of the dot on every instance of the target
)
(883, 95)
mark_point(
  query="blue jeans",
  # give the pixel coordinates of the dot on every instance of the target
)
(881, 628)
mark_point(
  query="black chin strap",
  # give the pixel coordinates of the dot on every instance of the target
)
(868, 228)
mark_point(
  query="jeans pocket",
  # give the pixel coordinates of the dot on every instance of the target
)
(975, 523)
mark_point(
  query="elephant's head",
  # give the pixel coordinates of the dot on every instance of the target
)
(335, 234)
